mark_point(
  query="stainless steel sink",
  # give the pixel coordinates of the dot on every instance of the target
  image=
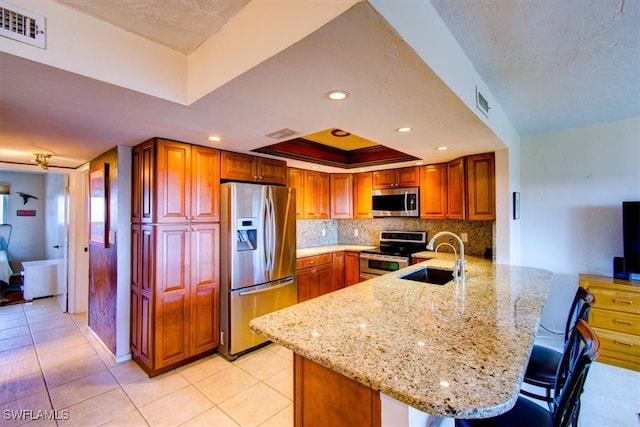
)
(434, 276)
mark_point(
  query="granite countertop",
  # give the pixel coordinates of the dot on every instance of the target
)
(457, 350)
(318, 250)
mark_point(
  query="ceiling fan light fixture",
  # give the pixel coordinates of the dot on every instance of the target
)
(43, 160)
(337, 95)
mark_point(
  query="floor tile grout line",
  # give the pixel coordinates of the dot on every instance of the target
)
(35, 348)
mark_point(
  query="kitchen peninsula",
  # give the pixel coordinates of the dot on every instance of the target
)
(456, 350)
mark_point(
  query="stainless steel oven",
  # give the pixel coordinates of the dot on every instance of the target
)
(394, 253)
(374, 265)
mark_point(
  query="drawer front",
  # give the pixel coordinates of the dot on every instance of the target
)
(628, 302)
(619, 342)
(312, 261)
(615, 321)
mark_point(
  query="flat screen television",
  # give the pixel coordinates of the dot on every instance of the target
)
(631, 236)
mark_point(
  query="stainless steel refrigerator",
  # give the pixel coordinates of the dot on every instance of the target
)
(258, 260)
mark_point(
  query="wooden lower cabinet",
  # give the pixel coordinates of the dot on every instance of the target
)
(338, 270)
(314, 276)
(615, 317)
(351, 268)
(175, 294)
(323, 397)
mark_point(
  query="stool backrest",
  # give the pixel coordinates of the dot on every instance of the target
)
(580, 307)
(580, 350)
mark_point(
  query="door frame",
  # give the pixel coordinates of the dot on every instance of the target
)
(78, 259)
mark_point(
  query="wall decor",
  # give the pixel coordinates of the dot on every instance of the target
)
(516, 205)
(98, 205)
(26, 213)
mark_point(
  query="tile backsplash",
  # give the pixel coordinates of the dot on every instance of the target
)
(342, 231)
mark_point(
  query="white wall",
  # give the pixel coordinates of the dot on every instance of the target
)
(27, 237)
(573, 183)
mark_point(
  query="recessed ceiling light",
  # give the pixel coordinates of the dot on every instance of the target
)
(404, 129)
(337, 95)
(443, 148)
(419, 163)
(314, 167)
(214, 138)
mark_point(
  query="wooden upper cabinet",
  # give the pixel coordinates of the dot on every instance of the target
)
(205, 184)
(362, 186)
(341, 190)
(481, 187)
(471, 187)
(396, 178)
(456, 197)
(271, 171)
(433, 191)
(312, 193)
(244, 167)
(174, 182)
(316, 195)
(296, 181)
(142, 189)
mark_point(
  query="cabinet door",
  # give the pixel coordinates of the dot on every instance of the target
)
(316, 195)
(237, 167)
(362, 186)
(408, 177)
(305, 281)
(205, 184)
(384, 179)
(142, 180)
(456, 198)
(481, 187)
(338, 270)
(352, 268)
(341, 191)
(433, 191)
(136, 289)
(205, 287)
(272, 171)
(323, 280)
(174, 181)
(296, 180)
(171, 311)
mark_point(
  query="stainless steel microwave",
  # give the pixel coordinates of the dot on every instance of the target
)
(396, 202)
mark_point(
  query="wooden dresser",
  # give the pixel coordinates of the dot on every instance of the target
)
(615, 317)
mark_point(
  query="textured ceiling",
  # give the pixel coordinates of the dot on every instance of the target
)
(550, 64)
(553, 64)
(181, 25)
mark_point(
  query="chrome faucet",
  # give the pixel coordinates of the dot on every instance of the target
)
(458, 265)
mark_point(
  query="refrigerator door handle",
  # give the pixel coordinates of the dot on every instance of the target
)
(272, 224)
(258, 291)
(265, 233)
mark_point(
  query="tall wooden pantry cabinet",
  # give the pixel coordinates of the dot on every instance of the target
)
(175, 285)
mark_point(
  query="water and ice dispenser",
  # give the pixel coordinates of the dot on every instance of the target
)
(246, 234)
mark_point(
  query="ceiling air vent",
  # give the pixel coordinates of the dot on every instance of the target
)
(22, 25)
(281, 133)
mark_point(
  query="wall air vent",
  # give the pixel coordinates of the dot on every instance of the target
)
(22, 25)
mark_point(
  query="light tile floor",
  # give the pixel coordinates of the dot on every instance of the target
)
(52, 365)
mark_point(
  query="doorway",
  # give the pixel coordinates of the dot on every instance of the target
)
(40, 227)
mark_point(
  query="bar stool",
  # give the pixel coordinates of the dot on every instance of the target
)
(582, 348)
(544, 361)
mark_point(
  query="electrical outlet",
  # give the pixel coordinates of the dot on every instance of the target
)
(324, 232)
(464, 237)
(355, 233)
